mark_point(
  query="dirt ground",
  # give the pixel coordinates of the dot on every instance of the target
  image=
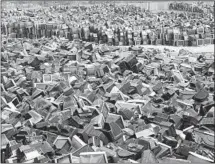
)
(208, 48)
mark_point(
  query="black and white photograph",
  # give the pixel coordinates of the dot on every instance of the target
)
(107, 81)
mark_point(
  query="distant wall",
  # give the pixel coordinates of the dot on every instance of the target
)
(37, 4)
(151, 5)
(159, 5)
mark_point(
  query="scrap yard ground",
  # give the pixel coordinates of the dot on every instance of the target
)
(91, 82)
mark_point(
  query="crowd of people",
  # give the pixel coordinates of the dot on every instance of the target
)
(109, 23)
